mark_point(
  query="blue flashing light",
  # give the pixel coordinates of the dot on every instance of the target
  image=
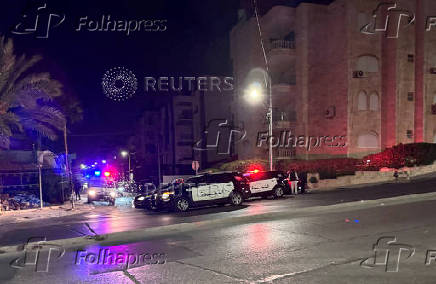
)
(97, 173)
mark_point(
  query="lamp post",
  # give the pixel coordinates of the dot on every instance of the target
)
(124, 154)
(254, 94)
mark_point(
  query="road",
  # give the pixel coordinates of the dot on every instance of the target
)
(106, 219)
(331, 248)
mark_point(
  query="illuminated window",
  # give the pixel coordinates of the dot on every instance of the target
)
(369, 140)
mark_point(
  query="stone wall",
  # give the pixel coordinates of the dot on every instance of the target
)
(365, 177)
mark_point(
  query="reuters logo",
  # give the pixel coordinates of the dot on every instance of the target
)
(119, 84)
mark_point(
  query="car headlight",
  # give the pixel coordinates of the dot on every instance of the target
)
(141, 198)
(91, 192)
(166, 195)
(112, 194)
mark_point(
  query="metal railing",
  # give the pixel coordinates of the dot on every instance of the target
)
(282, 44)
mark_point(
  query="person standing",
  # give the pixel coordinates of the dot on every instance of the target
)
(77, 188)
(293, 179)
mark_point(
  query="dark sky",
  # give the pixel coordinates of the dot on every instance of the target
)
(196, 42)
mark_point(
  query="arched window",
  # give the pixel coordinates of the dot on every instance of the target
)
(369, 140)
(367, 63)
(373, 102)
(362, 101)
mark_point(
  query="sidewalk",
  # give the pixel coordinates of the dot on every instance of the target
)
(17, 216)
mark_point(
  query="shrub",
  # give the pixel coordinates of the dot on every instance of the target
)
(401, 155)
(245, 165)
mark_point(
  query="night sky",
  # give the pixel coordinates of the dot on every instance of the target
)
(195, 42)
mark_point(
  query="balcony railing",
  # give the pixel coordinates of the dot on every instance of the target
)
(282, 44)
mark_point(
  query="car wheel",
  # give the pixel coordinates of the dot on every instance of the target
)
(236, 198)
(278, 192)
(182, 204)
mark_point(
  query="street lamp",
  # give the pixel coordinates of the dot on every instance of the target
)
(254, 94)
(124, 154)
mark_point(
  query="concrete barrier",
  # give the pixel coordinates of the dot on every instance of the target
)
(366, 177)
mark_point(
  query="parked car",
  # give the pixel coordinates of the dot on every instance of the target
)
(268, 183)
(202, 190)
(102, 194)
(142, 200)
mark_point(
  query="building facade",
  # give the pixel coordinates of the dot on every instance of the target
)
(183, 128)
(348, 78)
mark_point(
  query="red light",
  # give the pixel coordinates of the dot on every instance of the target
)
(107, 174)
(253, 171)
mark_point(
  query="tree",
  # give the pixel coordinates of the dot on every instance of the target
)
(26, 101)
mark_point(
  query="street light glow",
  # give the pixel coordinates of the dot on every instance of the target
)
(124, 153)
(82, 166)
(254, 93)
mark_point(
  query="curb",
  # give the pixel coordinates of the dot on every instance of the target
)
(119, 238)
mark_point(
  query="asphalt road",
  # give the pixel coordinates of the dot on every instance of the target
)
(107, 219)
(332, 248)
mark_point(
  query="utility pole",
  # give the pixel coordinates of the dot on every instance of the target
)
(40, 185)
(158, 164)
(67, 166)
(270, 125)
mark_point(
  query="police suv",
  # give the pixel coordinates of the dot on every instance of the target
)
(202, 190)
(267, 183)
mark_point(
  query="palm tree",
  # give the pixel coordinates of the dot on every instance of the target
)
(26, 101)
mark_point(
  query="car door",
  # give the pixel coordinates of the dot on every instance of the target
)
(262, 182)
(199, 189)
(221, 185)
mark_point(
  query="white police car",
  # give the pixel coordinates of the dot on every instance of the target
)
(202, 190)
(267, 183)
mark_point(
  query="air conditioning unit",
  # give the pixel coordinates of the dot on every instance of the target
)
(433, 70)
(358, 74)
(330, 113)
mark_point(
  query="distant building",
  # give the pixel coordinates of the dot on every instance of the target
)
(178, 131)
(330, 79)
